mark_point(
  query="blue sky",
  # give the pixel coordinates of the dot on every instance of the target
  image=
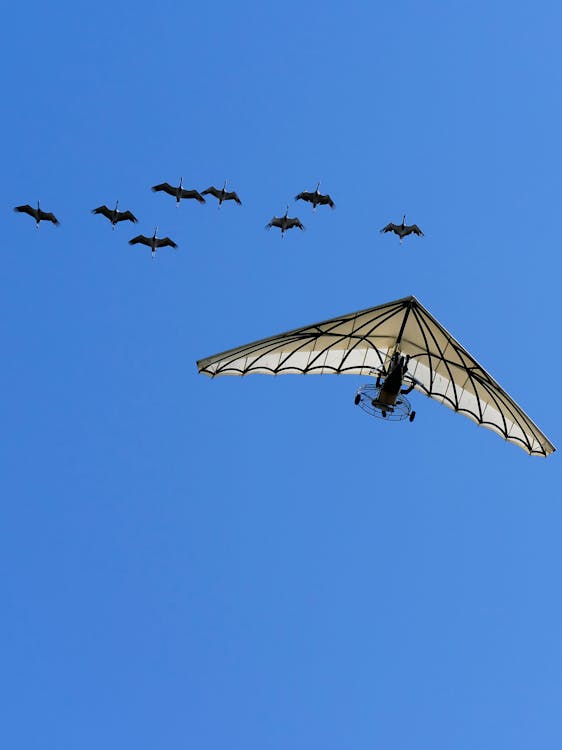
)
(254, 563)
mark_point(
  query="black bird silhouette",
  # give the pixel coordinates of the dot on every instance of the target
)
(114, 215)
(178, 192)
(37, 214)
(284, 223)
(153, 242)
(403, 230)
(316, 198)
(222, 195)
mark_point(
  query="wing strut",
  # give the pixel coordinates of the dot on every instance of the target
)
(401, 331)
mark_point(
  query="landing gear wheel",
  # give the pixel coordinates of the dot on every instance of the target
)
(357, 399)
(412, 416)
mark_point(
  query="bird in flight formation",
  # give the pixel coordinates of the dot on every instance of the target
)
(153, 242)
(403, 230)
(284, 223)
(178, 192)
(222, 195)
(316, 198)
(115, 215)
(37, 214)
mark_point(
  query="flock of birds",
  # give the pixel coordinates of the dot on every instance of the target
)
(284, 223)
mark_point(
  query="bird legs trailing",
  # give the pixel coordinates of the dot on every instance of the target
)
(153, 246)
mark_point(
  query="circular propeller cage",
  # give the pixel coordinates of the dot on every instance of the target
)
(367, 398)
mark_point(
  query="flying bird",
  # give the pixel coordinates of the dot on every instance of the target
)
(37, 214)
(114, 215)
(178, 192)
(316, 198)
(153, 242)
(403, 230)
(284, 223)
(222, 195)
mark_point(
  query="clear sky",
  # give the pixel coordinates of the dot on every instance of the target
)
(252, 563)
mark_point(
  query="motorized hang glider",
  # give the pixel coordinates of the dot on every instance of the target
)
(400, 334)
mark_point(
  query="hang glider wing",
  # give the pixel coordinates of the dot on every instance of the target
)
(362, 343)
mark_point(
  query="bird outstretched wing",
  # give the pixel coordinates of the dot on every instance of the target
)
(211, 191)
(192, 194)
(232, 197)
(126, 216)
(304, 196)
(165, 242)
(414, 229)
(275, 222)
(325, 200)
(141, 240)
(390, 228)
(165, 186)
(103, 210)
(48, 216)
(295, 223)
(27, 209)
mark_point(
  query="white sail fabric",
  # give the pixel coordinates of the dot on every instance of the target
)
(361, 343)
